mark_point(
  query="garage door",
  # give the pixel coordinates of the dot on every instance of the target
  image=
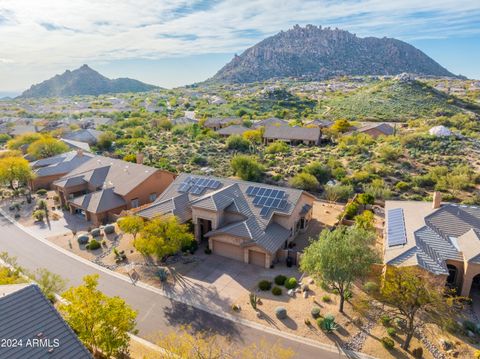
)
(228, 250)
(257, 258)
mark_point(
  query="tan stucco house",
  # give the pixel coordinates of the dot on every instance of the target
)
(246, 221)
(292, 135)
(442, 238)
(103, 187)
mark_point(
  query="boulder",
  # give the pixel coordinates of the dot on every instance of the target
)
(305, 294)
(291, 292)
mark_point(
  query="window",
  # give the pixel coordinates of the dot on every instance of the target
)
(152, 197)
(135, 203)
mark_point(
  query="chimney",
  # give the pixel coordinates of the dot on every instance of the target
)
(140, 158)
(437, 200)
(79, 152)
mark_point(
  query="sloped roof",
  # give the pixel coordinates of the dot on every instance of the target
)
(99, 201)
(272, 121)
(383, 127)
(320, 123)
(213, 121)
(76, 144)
(232, 130)
(27, 314)
(292, 133)
(121, 175)
(60, 164)
(435, 235)
(230, 196)
(89, 136)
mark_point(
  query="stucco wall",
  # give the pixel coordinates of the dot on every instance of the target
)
(156, 183)
(289, 222)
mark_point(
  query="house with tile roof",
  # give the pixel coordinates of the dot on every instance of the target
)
(27, 315)
(84, 135)
(293, 135)
(441, 238)
(377, 129)
(232, 130)
(272, 121)
(102, 187)
(216, 123)
(246, 221)
(50, 169)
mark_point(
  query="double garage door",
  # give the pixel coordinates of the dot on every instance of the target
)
(235, 252)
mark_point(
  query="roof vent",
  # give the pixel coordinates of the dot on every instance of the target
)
(39, 335)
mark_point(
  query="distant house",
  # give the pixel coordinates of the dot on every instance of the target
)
(292, 135)
(232, 130)
(183, 121)
(50, 169)
(216, 123)
(377, 129)
(320, 123)
(272, 121)
(76, 145)
(246, 221)
(29, 317)
(19, 130)
(85, 135)
(441, 238)
(103, 187)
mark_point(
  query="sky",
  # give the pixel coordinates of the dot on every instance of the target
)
(177, 42)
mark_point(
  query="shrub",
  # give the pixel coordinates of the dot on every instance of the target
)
(370, 287)
(315, 312)
(280, 279)
(277, 291)
(351, 210)
(95, 232)
(326, 298)
(109, 229)
(162, 274)
(83, 239)
(469, 325)
(208, 251)
(280, 312)
(307, 322)
(291, 283)
(39, 215)
(386, 320)
(388, 343)
(236, 142)
(391, 331)
(328, 323)
(305, 181)
(41, 192)
(277, 147)
(320, 322)
(254, 300)
(264, 285)
(94, 244)
(235, 308)
(418, 353)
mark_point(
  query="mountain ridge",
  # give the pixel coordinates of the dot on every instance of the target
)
(84, 81)
(315, 53)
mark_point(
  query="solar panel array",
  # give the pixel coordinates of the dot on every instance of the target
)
(197, 185)
(267, 198)
(396, 227)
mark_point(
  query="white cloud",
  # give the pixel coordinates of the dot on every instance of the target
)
(47, 35)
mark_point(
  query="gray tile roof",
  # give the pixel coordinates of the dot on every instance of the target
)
(99, 201)
(229, 197)
(217, 121)
(320, 123)
(25, 314)
(232, 130)
(89, 136)
(272, 121)
(382, 127)
(59, 164)
(447, 233)
(76, 144)
(292, 133)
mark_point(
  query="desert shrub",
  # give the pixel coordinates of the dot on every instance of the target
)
(307, 322)
(94, 244)
(95, 232)
(83, 239)
(162, 274)
(386, 320)
(39, 215)
(326, 298)
(247, 168)
(291, 283)
(351, 210)
(418, 353)
(277, 147)
(327, 323)
(264, 285)
(280, 279)
(402, 186)
(109, 229)
(305, 181)
(208, 251)
(315, 312)
(391, 331)
(321, 172)
(41, 192)
(370, 287)
(388, 343)
(236, 142)
(277, 291)
(190, 247)
(280, 312)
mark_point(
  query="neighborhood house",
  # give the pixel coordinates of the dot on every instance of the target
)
(442, 238)
(245, 221)
(292, 135)
(102, 187)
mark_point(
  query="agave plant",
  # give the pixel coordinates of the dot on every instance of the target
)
(328, 323)
(253, 300)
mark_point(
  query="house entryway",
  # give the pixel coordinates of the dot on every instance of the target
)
(204, 226)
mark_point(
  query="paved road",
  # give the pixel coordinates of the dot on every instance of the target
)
(155, 312)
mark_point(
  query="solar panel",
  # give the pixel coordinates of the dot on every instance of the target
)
(250, 190)
(396, 233)
(267, 192)
(255, 190)
(256, 200)
(283, 204)
(274, 193)
(262, 201)
(264, 211)
(269, 202)
(184, 187)
(261, 191)
(281, 194)
(275, 203)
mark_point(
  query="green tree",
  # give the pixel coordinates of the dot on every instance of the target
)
(102, 323)
(277, 147)
(25, 139)
(338, 192)
(50, 283)
(15, 169)
(247, 168)
(365, 220)
(341, 125)
(163, 236)
(254, 136)
(46, 147)
(305, 181)
(237, 142)
(131, 225)
(323, 173)
(105, 140)
(339, 257)
(411, 292)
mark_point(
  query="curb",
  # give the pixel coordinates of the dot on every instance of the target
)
(245, 322)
